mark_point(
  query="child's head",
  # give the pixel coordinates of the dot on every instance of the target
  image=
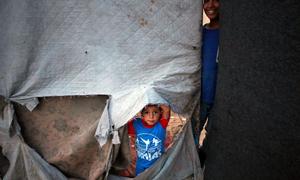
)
(211, 9)
(151, 114)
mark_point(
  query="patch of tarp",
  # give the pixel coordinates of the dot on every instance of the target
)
(136, 52)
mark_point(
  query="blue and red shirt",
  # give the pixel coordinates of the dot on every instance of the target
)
(149, 142)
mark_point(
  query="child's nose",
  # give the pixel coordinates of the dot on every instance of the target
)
(151, 115)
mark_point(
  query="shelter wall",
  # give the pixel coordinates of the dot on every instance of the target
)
(255, 130)
(61, 129)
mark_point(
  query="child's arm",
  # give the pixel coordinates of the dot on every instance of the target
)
(165, 115)
(131, 130)
(165, 111)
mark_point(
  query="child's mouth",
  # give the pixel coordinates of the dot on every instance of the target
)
(210, 12)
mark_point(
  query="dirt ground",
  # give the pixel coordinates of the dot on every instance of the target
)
(175, 126)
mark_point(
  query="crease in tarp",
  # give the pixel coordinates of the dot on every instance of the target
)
(104, 127)
(29, 103)
(6, 119)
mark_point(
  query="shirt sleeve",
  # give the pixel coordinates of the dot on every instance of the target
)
(131, 130)
(164, 122)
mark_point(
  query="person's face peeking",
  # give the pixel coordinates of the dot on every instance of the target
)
(151, 115)
(211, 9)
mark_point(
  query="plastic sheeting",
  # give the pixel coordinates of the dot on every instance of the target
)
(24, 161)
(137, 52)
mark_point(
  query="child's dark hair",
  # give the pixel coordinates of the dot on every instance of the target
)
(151, 105)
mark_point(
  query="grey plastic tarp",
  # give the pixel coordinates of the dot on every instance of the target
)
(136, 51)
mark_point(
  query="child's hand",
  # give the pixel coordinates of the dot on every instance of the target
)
(165, 111)
(164, 107)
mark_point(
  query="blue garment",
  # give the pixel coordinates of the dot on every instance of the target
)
(149, 144)
(209, 64)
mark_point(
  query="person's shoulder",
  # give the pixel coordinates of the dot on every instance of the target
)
(136, 119)
(207, 27)
(131, 129)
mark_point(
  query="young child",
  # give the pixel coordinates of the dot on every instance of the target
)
(150, 133)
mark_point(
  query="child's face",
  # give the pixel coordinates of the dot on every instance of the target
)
(211, 8)
(151, 115)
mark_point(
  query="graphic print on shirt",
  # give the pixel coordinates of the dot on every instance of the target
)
(148, 146)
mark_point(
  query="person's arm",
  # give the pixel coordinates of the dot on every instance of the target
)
(165, 111)
(165, 115)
